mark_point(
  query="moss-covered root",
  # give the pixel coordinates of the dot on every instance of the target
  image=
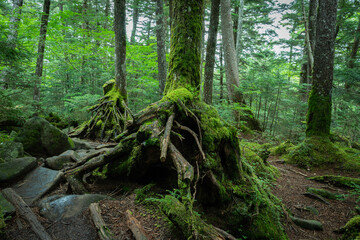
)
(318, 152)
(338, 181)
(109, 116)
(188, 221)
(351, 231)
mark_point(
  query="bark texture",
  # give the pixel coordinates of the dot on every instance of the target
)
(161, 36)
(120, 46)
(41, 51)
(319, 109)
(185, 49)
(210, 51)
(239, 29)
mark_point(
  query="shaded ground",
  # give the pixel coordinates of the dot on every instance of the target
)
(290, 188)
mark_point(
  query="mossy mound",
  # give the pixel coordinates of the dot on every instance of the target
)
(352, 229)
(109, 116)
(338, 181)
(281, 149)
(316, 152)
(181, 142)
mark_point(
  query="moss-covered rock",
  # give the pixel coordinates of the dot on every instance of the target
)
(281, 149)
(339, 181)
(10, 150)
(16, 168)
(352, 229)
(326, 194)
(321, 152)
(40, 138)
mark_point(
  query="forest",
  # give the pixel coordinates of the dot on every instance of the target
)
(179, 119)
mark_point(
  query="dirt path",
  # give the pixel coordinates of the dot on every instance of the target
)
(290, 188)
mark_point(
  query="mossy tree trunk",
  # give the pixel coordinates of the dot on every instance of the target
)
(319, 105)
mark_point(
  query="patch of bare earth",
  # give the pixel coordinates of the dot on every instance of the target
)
(290, 188)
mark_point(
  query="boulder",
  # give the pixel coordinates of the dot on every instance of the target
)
(65, 207)
(10, 150)
(83, 144)
(58, 162)
(37, 183)
(40, 138)
(16, 168)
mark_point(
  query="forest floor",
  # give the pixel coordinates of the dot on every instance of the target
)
(289, 187)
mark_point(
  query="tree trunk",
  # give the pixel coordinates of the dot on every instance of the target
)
(319, 109)
(14, 20)
(354, 50)
(161, 36)
(231, 66)
(185, 49)
(120, 46)
(135, 20)
(41, 50)
(239, 30)
(210, 52)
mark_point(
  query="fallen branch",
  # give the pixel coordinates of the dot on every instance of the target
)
(26, 212)
(300, 173)
(183, 167)
(135, 226)
(103, 232)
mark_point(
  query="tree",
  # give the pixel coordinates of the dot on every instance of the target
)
(239, 29)
(353, 53)
(136, 9)
(160, 39)
(41, 51)
(120, 46)
(210, 51)
(231, 67)
(319, 110)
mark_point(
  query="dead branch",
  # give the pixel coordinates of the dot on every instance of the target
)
(103, 232)
(183, 167)
(164, 143)
(135, 226)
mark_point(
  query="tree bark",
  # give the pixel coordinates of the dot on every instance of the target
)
(210, 52)
(239, 30)
(161, 36)
(319, 109)
(354, 50)
(135, 20)
(14, 20)
(41, 50)
(185, 49)
(120, 46)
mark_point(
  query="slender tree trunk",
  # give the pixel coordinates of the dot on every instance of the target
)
(354, 50)
(210, 52)
(120, 46)
(239, 30)
(221, 74)
(202, 46)
(161, 36)
(41, 51)
(106, 13)
(231, 66)
(319, 109)
(135, 20)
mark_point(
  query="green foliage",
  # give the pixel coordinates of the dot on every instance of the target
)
(144, 193)
(3, 220)
(282, 148)
(351, 229)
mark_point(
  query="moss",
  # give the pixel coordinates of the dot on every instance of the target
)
(181, 94)
(320, 152)
(281, 149)
(325, 193)
(339, 181)
(71, 142)
(125, 166)
(352, 229)
(144, 192)
(99, 123)
(318, 117)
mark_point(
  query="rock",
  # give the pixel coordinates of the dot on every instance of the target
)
(62, 207)
(82, 144)
(307, 224)
(37, 183)
(5, 206)
(58, 162)
(16, 168)
(10, 150)
(39, 137)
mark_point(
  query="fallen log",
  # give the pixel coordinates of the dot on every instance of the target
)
(26, 212)
(103, 232)
(135, 226)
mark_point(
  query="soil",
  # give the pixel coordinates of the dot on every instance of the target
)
(290, 188)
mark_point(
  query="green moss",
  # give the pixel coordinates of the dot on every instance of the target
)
(325, 193)
(99, 123)
(71, 142)
(320, 152)
(318, 118)
(281, 149)
(339, 181)
(352, 229)
(181, 94)
(144, 192)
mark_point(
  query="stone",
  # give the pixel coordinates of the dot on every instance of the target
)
(37, 183)
(65, 207)
(40, 138)
(10, 150)
(58, 162)
(83, 144)
(16, 168)
(5, 206)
